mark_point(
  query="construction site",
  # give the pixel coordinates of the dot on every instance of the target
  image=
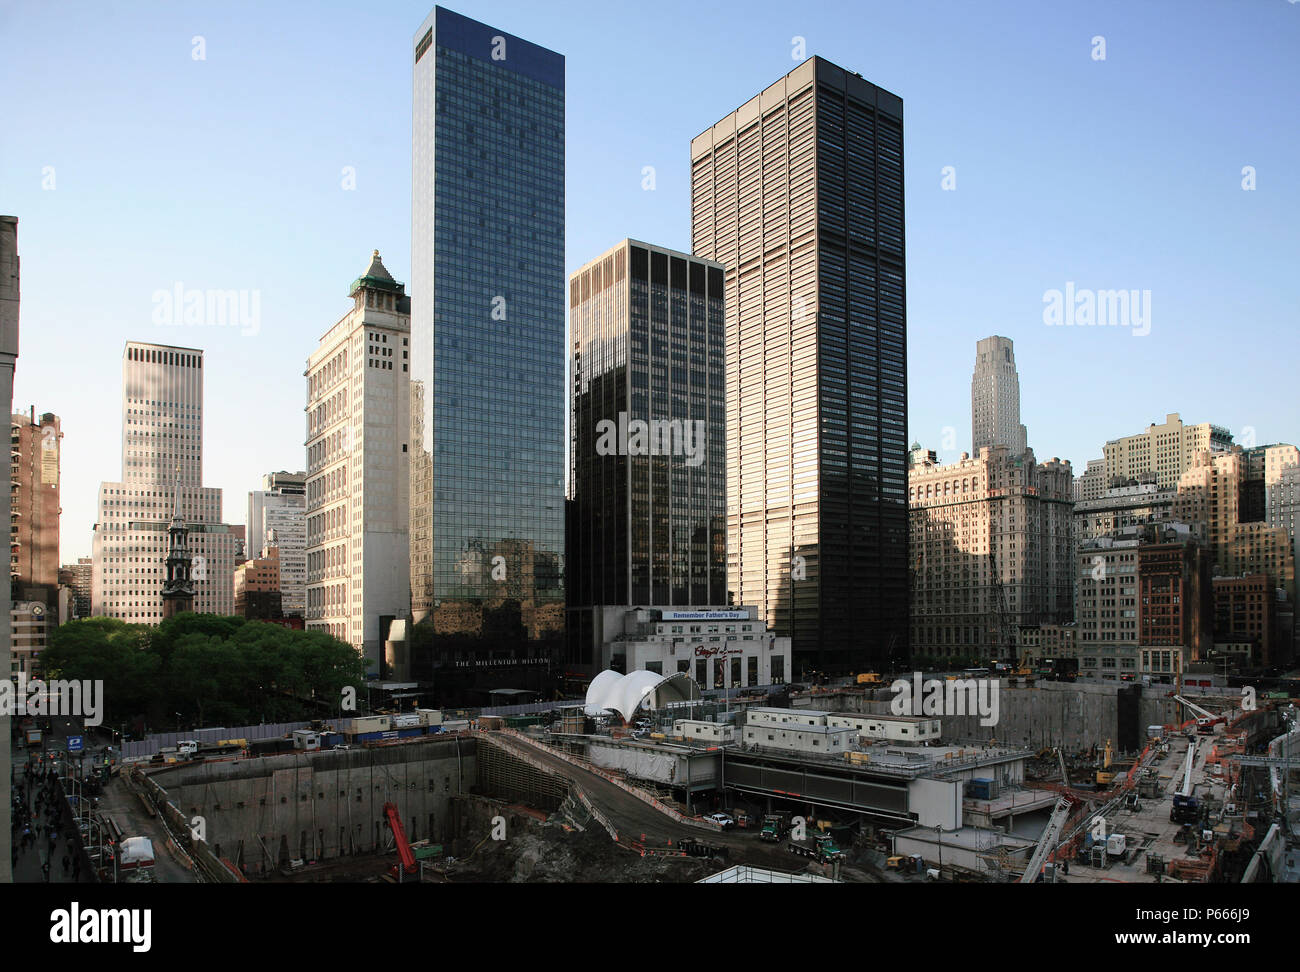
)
(648, 781)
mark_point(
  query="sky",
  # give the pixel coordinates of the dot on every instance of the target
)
(265, 148)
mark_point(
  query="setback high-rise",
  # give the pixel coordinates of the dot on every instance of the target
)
(995, 398)
(162, 453)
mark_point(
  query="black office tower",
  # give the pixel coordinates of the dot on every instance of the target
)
(646, 522)
(799, 194)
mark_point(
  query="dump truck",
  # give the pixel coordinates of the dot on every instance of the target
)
(775, 827)
(820, 847)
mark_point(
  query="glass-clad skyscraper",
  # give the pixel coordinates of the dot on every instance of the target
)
(799, 193)
(487, 359)
(647, 465)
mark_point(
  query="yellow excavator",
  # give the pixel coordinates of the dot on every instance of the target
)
(1104, 776)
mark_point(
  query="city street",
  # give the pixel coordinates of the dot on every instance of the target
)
(116, 800)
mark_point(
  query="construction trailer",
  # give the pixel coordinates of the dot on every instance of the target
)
(890, 728)
(713, 732)
(812, 740)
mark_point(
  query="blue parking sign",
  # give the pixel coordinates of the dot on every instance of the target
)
(75, 744)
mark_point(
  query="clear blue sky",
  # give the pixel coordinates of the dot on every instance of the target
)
(226, 173)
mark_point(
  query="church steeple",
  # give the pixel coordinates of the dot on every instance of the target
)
(178, 589)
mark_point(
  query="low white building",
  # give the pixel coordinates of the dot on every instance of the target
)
(718, 732)
(800, 739)
(785, 717)
(725, 647)
(891, 728)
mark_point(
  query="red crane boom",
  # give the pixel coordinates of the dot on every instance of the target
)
(399, 834)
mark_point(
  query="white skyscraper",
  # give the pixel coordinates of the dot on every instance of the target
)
(995, 398)
(162, 448)
(358, 516)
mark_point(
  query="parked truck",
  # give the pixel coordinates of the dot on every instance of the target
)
(820, 847)
(775, 827)
(136, 860)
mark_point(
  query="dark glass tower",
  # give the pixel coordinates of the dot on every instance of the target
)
(487, 359)
(799, 193)
(648, 460)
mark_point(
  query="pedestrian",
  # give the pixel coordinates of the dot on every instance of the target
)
(67, 864)
(45, 870)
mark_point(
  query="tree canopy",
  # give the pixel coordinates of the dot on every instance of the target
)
(213, 670)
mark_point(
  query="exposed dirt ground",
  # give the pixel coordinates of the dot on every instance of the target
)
(552, 854)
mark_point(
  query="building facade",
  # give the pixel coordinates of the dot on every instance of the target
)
(79, 580)
(358, 395)
(9, 305)
(1284, 506)
(258, 587)
(36, 451)
(719, 647)
(1092, 484)
(1106, 615)
(277, 517)
(488, 396)
(647, 521)
(799, 194)
(1136, 505)
(1215, 493)
(1245, 613)
(1164, 451)
(995, 398)
(1176, 598)
(162, 473)
(991, 552)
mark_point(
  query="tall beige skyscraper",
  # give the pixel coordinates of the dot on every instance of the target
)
(358, 408)
(995, 398)
(799, 194)
(162, 452)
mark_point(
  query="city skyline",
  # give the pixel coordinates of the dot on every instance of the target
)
(649, 506)
(1021, 221)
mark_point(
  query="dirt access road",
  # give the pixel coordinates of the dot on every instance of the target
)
(632, 817)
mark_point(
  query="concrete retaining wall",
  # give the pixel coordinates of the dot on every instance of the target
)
(322, 805)
(1073, 715)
